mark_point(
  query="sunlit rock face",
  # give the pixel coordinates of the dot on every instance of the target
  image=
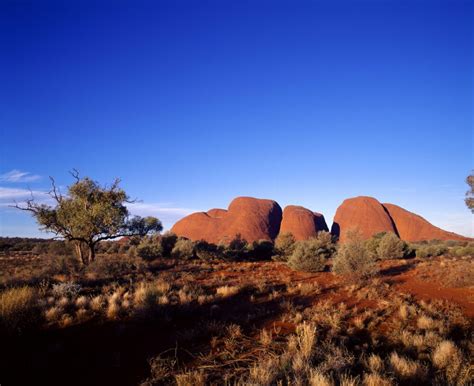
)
(302, 222)
(412, 227)
(363, 213)
(252, 218)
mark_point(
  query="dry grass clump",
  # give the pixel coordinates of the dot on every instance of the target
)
(406, 369)
(263, 373)
(67, 289)
(426, 323)
(375, 379)
(448, 358)
(226, 291)
(191, 378)
(375, 363)
(266, 338)
(307, 288)
(317, 378)
(446, 353)
(17, 307)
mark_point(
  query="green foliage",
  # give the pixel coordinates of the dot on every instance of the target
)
(207, 251)
(284, 246)
(373, 243)
(168, 241)
(432, 250)
(311, 255)
(260, 250)
(353, 258)
(150, 248)
(183, 249)
(236, 250)
(462, 251)
(90, 213)
(470, 193)
(391, 247)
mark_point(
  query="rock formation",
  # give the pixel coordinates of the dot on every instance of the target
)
(411, 227)
(257, 219)
(254, 219)
(370, 217)
(302, 222)
(364, 213)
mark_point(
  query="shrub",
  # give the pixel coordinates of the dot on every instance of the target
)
(60, 248)
(462, 251)
(284, 246)
(68, 289)
(353, 258)
(373, 243)
(168, 241)
(113, 266)
(183, 249)
(391, 247)
(431, 250)
(150, 249)
(17, 307)
(113, 247)
(40, 248)
(237, 249)
(261, 250)
(207, 251)
(311, 255)
(61, 265)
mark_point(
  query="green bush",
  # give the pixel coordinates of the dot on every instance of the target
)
(353, 258)
(207, 251)
(260, 250)
(391, 247)
(373, 243)
(462, 251)
(168, 241)
(311, 255)
(284, 246)
(183, 249)
(236, 250)
(150, 249)
(430, 250)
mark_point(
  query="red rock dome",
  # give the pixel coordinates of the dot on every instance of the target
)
(364, 213)
(411, 227)
(302, 222)
(254, 219)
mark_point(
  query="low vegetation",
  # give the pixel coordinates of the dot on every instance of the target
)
(165, 310)
(354, 259)
(312, 255)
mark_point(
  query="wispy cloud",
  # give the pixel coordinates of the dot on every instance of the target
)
(9, 196)
(18, 176)
(165, 212)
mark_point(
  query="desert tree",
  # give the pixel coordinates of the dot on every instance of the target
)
(470, 193)
(89, 214)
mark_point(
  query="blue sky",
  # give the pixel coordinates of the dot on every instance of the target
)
(192, 103)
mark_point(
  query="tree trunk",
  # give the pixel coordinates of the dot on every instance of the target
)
(91, 252)
(80, 253)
